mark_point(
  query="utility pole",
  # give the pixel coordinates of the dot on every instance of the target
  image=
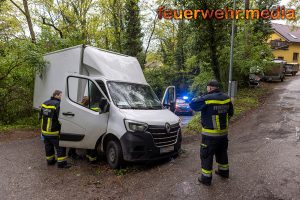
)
(231, 51)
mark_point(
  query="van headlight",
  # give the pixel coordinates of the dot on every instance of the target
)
(134, 126)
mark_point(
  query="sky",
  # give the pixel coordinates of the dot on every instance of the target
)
(285, 2)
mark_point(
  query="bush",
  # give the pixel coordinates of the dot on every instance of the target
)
(19, 60)
(195, 124)
(26, 122)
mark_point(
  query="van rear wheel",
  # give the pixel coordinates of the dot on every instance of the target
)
(114, 154)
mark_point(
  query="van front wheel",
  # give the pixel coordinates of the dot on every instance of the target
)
(114, 154)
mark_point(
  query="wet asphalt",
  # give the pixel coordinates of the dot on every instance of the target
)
(264, 159)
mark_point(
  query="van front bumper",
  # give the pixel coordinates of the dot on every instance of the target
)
(141, 147)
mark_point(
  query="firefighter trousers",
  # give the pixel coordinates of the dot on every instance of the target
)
(210, 147)
(51, 143)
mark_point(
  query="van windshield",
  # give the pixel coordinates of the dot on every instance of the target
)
(133, 96)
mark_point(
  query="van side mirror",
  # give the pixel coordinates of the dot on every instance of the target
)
(103, 105)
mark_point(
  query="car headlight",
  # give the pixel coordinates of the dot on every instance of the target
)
(134, 126)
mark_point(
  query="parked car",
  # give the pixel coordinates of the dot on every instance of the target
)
(255, 76)
(291, 68)
(276, 71)
(182, 107)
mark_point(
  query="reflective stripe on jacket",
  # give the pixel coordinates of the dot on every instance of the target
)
(50, 125)
(216, 109)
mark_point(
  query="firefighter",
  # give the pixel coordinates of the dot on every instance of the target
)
(50, 127)
(216, 109)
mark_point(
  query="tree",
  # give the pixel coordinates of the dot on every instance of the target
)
(247, 55)
(19, 60)
(70, 18)
(133, 45)
(261, 25)
(179, 55)
(210, 34)
(26, 13)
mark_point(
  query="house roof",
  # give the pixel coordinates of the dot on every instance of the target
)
(290, 33)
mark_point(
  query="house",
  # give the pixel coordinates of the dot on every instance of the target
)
(285, 42)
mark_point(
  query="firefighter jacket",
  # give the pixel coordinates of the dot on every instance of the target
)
(216, 109)
(50, 125)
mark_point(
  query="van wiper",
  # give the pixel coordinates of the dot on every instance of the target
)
(154, 108)
(132, 108)
(142, 108)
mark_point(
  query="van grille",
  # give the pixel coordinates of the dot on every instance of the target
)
(160, 136)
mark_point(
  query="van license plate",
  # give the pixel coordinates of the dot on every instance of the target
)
(167, 149)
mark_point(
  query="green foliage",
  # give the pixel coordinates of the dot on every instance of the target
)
(264, 26)
(182, 53)
(209, 36)
(195, 124)
(249, 52)
(247, 99)
(19, 60)
(30, 122)
(133, 31)
(179, 55)
(158, 78)
(200, 81)
(199, 50)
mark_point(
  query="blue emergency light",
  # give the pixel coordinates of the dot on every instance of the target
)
(185, 97)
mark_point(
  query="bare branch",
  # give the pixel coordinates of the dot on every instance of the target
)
(152, 32)
(18, 7)
(53, 26)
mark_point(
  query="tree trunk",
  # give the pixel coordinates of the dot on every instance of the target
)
(247, 4)
(213, 51)
(29, 21)
(26, 13)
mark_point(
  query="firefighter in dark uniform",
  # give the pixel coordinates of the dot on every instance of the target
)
(50, 127)
(216, 109)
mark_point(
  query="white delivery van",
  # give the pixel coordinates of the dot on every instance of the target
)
(122, 118)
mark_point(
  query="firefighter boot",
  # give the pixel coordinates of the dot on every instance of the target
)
(51, 162)
(204, 180)
(63, 165)
(222, 173)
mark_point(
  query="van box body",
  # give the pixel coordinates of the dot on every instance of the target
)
(84, 71)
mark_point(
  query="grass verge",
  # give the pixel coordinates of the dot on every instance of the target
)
(246, 100)
(24, 123)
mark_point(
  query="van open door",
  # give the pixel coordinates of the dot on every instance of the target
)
(169, 99)
(83, 116)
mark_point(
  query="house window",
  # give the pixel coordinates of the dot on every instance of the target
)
(278, 44)
(280, 57)
(295, 57)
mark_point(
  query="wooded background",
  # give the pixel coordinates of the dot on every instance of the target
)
(171, 52)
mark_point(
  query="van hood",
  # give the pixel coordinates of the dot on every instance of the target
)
(151, 117)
